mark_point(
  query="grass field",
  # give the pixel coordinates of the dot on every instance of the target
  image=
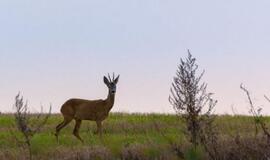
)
(126, 136)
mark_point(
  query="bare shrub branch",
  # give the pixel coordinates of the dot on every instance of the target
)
(256, 114)
(25, 124)
(266, 98)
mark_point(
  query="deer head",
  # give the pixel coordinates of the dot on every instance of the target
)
(111, 83)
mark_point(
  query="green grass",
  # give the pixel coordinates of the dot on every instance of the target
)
(147, 135)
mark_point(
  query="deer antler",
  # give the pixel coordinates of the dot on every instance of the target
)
(109, 77)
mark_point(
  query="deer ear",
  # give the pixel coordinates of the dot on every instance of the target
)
(105, 79)
(116, 79)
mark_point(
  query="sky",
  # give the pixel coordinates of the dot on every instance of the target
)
(51, 51)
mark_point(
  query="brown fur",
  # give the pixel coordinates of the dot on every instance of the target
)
(81, 109)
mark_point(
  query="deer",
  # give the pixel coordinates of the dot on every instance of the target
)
(93, 110)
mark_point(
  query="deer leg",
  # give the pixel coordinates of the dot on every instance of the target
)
(77, 128)
(99, 128)
(62, 125)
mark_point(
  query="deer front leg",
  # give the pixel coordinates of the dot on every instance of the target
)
(77, 128)
(99, 128)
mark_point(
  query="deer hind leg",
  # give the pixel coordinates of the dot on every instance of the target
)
(99, 128)
(77, 128)
(66, 121)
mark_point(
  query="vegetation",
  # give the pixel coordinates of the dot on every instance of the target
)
(189, 97)
(126, 136)
(25, 126)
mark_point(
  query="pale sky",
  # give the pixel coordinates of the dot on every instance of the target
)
(55, 50)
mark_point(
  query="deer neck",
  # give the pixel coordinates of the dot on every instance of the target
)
(110, 101)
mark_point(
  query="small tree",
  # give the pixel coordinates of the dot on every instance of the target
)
(26, 125)
(189, 97)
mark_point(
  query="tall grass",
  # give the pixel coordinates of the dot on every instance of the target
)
(126, 136)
